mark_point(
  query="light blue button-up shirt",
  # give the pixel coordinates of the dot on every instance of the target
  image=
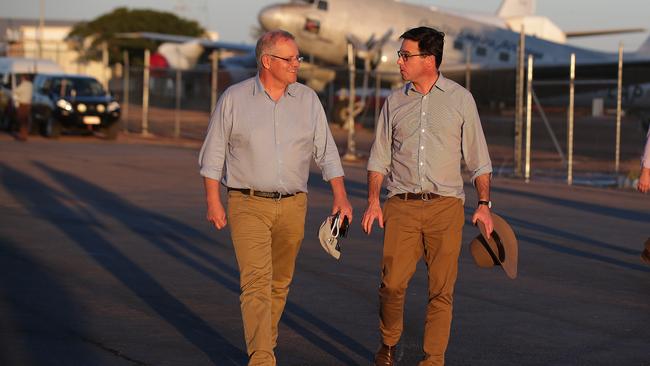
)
(421, 138)
(255, 142)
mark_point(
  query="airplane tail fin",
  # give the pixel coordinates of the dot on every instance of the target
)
(645, 47)
(516, 8)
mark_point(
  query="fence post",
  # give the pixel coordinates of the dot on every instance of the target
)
(519, 102)
(126, 90)
(572, 76)
(529, 114)
(351, 153)
(215, 80)
(145, 94)
(177, 111)
(618, 108)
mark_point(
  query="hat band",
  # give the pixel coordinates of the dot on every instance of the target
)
(501, 255)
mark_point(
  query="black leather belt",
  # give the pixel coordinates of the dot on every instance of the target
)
(251, 192)
(417, 196)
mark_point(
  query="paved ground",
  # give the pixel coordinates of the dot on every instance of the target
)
(107, 260)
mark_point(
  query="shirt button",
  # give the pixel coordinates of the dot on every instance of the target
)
(421, 163)
(423, 113)
(421, 147)
(423, 130)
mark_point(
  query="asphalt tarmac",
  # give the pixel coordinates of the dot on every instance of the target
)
(106, 259)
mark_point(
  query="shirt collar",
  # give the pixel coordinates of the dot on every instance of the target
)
(259, 88)
(441, 84)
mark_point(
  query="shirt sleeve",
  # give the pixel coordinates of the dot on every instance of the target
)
(645, 159)
(213, 151)
(475, 150)
(380, 153)
(325, 152)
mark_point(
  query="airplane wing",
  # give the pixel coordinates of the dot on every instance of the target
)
(603, 32)
(206, 43)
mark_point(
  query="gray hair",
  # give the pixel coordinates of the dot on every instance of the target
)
(267, 41)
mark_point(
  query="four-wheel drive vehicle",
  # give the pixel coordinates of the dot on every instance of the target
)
(73, 102)
(11, 70)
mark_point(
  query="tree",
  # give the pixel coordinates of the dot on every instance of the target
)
(88, 37)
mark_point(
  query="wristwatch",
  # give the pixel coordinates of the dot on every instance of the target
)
(487, 203)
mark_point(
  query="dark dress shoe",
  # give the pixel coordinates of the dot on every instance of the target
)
(385, 356)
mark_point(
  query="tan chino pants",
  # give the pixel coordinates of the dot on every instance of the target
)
(413, 229)
(266, 234)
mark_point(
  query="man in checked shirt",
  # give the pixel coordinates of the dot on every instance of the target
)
(423, 131)
(262, 136)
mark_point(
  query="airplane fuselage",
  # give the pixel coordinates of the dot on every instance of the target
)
(323, 28)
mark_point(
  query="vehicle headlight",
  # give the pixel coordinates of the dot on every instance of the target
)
(82, 108)
(100, 108)
(64, 104)
(112, 106)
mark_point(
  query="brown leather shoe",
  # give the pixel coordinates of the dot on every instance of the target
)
(385, 356)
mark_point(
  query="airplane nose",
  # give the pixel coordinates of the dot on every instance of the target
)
(270, 17)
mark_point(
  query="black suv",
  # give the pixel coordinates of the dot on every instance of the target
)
(73, 102)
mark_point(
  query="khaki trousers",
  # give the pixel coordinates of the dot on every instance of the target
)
(413, 229)
(266, 234)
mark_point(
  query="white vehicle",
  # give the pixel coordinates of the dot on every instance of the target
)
(11, 69)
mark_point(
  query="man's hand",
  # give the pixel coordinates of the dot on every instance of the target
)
(216, 215)
(342, 205)
(644, 181)
(373, 211)
(341, 202)
(482, 213)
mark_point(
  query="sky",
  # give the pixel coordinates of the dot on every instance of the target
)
(233, 20)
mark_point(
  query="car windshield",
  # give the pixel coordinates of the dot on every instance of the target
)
(77, 87)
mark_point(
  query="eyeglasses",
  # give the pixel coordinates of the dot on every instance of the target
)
(289, 59)
(405, 55)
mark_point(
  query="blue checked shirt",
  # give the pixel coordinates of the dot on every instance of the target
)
(421, 138)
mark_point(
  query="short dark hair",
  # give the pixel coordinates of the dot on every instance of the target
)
(268, 40)
(430, 41)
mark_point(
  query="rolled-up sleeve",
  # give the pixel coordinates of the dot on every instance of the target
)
(380, 153)
(325, 153)
(213, 151)
(475, 150)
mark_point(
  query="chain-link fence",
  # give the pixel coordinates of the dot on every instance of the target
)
(180, 103)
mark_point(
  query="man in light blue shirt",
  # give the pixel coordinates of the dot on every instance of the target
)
(262, 136)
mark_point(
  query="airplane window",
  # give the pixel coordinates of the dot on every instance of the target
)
(458, 45)
(322, 5)
(481, 51)
(503, 56)
(312, 26)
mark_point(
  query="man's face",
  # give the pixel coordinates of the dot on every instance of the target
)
(414, 68)
(283, 62)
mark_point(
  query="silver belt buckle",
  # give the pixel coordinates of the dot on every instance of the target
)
(279, 196)
(426, 196)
